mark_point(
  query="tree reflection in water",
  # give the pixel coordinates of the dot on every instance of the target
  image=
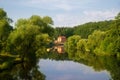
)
(27, 70)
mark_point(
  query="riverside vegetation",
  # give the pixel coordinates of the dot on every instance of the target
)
(22, 45)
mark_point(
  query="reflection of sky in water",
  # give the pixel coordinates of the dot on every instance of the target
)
(69, 70)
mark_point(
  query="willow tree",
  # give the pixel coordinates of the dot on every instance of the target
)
(26, 40)
(71, 45)
(42, 23)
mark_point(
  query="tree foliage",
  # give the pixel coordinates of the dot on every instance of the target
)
(5, 28)
(88, 28)
(3, 14)
(26, 40)
(36, 20)
(118, 16)
(48, 20)
(103, 38)
(64, 31)
(71, 45)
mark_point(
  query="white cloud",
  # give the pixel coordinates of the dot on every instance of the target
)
(87, 16)
(66, 19)
(100, 15)
(64, 7)
(49, 4)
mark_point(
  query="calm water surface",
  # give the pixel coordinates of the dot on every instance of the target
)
(69, 70)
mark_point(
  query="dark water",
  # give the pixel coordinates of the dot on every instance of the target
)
(69, 70)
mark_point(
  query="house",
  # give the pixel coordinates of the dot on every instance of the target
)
(61, 39)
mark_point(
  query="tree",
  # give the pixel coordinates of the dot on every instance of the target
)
(94, 40)
(65, 31)
(48, 20)
(21, 22)
(71, 45)
(36, 20)
(118, 16)
(88, 28)
(81, 45)
(26, 40)
(5, 28)
(3, 14)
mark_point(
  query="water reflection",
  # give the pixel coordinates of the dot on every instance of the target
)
(57, 48)
(58, 45)
(27, 70)
(52, 66)
(69, 70)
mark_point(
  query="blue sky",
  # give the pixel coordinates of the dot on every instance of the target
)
(63, 12)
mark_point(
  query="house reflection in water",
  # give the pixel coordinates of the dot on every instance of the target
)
(59, 49)
(58, 45)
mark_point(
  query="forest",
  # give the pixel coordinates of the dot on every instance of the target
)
(98, 38)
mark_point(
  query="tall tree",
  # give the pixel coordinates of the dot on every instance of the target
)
(5, 28)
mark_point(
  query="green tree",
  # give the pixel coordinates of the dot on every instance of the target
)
(36, 20)
(21, 22)
(64, 31)
(26, 40)
(71, 45)
(88, 28)
(48, 20)
(118, 16)
(3, 14)
(5, 28)
(111, 43)
(94, 40)
(81, 45)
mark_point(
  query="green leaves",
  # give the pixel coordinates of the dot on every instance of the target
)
(35, 20)
(71, 45)
(3, 14)
(23, 38)
(118, 16)
(5, 29)
(48, 20)
(99, 42)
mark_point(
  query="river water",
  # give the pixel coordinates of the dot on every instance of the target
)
(70, 70)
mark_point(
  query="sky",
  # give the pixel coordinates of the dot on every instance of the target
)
(63, 12)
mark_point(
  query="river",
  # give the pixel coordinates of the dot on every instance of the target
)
(59, 66)
(70, 70)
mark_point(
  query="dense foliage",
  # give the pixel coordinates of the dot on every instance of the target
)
(64, 31)
(5, 29)
(86, 29)
(102, 41)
